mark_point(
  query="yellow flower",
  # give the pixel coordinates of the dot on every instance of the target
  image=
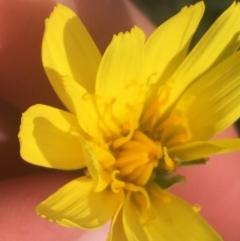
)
(136, 114)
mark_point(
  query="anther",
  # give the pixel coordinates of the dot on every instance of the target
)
(173, 120)
(181, 138)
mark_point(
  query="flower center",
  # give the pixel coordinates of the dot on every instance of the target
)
(139, 160)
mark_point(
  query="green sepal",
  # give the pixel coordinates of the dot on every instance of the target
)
(194, 162)
(167, 181)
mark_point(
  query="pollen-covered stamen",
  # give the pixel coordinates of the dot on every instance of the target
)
(179, 132)
(178, 139)
(146, 174)
(128, 131)
(137, 158)
(154, 107)
(128, 158)
(182, 137)
(149, 116)
(129, 167)
(135, 146)
(154, 147)
(173, 120)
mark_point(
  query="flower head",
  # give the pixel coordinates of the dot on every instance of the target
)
(136, 114)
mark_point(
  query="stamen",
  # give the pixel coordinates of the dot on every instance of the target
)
(135, 146)
(168, 165)
(130, 153)
(156, 105)
(129, 157)
(140, 137)
(127, 169)
(142, 198)
(173, 120)
(187, 129)
(116, 184)
(104, 111)
(131, 187)
(180, 133)
(120, 141)
(153, 108)
(145, 175)
(136, 173)
(182, 138)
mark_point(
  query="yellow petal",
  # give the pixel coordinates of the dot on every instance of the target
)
(167, 47)
(220, 41)
(68, 49)
(77, 205)
(131, 221)
(98, 160)
(50, 137)
(197, 150)
(121, 66)
(216, 100)
(84, 106)
(117, 231)
(176, 218)
(98, 118)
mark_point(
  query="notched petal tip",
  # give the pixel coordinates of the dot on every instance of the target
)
(138, 32)
(135, 31)
(199, 5)
(59, 7)
(56, 10)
